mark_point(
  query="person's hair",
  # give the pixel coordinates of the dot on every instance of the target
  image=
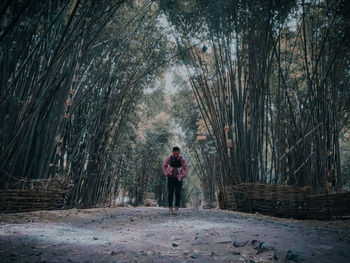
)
(175, 149)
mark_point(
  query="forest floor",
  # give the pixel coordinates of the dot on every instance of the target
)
(145, 234)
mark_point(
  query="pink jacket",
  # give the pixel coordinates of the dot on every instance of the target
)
(168, 170)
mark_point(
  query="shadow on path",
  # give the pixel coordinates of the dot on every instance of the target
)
(146, 234)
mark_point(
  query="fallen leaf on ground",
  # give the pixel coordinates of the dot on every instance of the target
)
(37, 247)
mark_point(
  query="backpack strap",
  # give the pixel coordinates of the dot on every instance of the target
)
(172, 158)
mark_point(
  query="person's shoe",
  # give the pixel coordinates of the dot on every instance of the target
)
(171, 210)
(176, 210)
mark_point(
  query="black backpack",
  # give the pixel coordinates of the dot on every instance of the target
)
(175, 162)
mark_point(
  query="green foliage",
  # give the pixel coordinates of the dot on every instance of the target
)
(274, 78)
(205, 18)
(201, 153)
(144, 174)
(80, 96)
(78, 74)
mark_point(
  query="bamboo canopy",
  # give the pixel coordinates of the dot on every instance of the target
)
(265, 100)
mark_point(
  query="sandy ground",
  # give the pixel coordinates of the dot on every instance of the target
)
(146, 234)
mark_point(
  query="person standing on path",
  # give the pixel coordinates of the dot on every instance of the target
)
(175, 168)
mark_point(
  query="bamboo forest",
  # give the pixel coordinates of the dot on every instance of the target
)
(175, 131)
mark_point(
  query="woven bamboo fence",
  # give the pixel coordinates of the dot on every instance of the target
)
(32, 195)
(285, 201)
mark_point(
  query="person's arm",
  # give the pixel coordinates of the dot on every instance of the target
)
(165, 166)
(185, 167)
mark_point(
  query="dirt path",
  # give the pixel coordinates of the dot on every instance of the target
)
(152, 235)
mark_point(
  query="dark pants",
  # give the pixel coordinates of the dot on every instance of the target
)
(174, 185)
